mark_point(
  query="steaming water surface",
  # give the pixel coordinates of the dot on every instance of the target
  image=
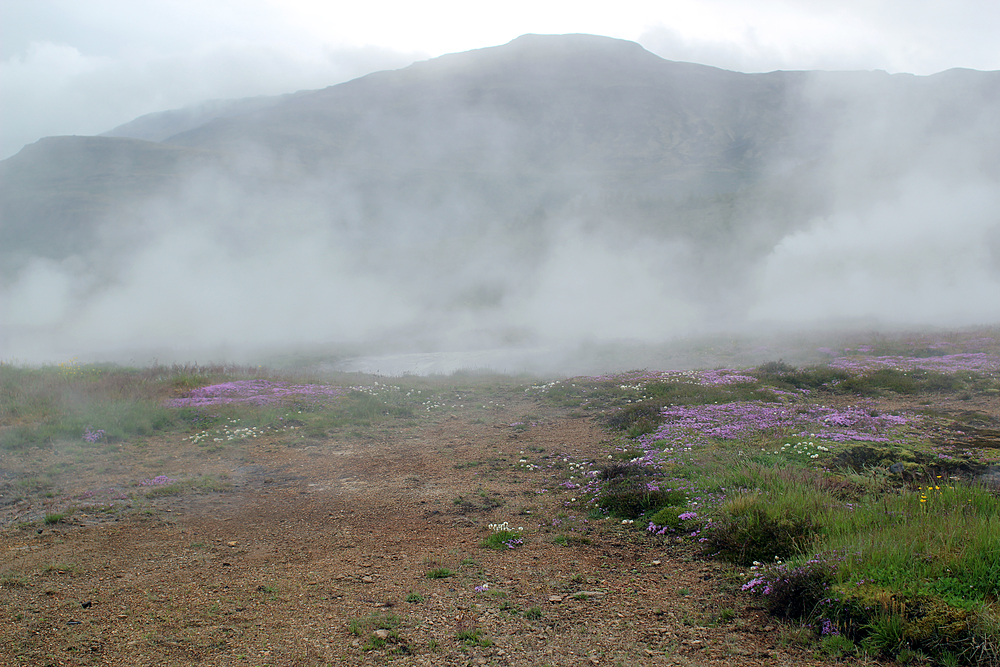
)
(507, 361)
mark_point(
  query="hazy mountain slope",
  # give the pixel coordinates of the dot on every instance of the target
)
(574, 102)
(163, 124)
(555, 185)
(542, 124)
(56, 190)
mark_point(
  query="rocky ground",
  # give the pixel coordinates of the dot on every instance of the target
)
(318, 552)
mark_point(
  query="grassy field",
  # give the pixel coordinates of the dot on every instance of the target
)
(857, 497)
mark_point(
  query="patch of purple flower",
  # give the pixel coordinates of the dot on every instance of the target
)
(977, 362)
(255, 392)
(731, 421)
(794, 591)
(159, 480)
(90, 435)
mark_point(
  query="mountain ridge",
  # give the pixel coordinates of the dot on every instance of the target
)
(511, 150)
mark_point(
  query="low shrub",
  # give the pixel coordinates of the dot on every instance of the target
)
(673, 518)
(631, 499)
(749, 527)
(619, 471)
(503, 539)
(794, 591)
(439, 573)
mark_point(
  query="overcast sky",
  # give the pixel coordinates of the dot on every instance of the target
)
(83, 67)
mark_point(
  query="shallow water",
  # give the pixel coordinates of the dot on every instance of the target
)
(505, 361)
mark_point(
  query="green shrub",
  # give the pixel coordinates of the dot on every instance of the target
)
(752, 527)
(473, 637)
(628, 493)
(439, 573)
(794, 591)
(502, 539)
(885, 634)
(632, 500)
(669, 517)
(836, 647)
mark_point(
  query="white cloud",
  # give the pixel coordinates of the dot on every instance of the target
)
(894, 35)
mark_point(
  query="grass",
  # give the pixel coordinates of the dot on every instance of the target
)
(904, 565)
(52, 403)
(899, 565)
(473, 637)
(12, 579)
(103, 404)
(196, 484)
(439, 573)
(381, 631)
(502, 539)
(361, 626)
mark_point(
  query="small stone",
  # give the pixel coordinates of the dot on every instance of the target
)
(231, 544)
(656, 562)
(367, 579)
(382, 633)
(554, 599)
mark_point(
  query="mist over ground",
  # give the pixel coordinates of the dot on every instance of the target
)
(464, 209)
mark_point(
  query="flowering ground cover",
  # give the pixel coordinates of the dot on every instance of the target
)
(255, 392)
(775, 485)
(741, 517)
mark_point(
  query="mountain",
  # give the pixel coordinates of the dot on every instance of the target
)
(164, 124)
(539, 122)
(452, 170)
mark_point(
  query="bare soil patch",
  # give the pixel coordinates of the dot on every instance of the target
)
(319, 554)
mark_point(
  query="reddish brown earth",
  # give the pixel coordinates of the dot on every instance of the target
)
(315, 535)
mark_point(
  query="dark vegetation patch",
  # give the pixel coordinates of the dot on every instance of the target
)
(628, 492)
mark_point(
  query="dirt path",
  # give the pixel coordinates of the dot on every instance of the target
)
(320, 555)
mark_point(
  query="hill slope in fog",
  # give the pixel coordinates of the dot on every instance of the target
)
(480, 188)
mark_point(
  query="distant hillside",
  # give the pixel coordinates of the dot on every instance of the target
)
(54, 192)
(447, 173)
(164, 124)
(534, 126)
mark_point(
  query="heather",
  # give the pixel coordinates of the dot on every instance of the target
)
(255, 392)
(102, 405)
(856, 521)
(854, 498)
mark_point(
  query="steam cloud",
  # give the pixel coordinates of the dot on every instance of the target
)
(218, 268)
